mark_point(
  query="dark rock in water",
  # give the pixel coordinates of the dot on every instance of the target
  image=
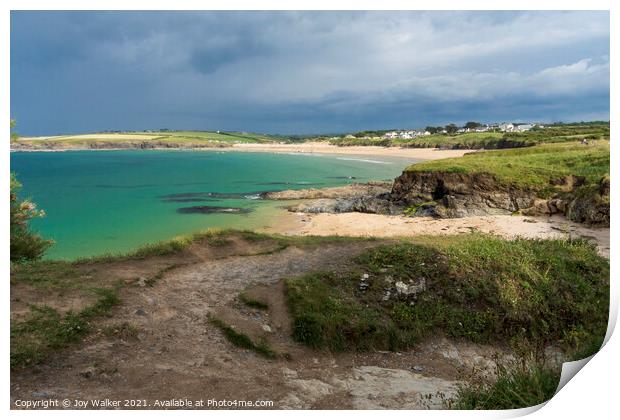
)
(209, 196)
(189, 200)
(213, 210)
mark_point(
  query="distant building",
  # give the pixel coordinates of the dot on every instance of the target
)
(523, 127)
(507, 127)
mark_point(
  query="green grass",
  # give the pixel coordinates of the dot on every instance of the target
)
(45, 330)
(163, 139)
(242, 340)
(252, 302)
(531, 167)
(122, 330)
(490, 140)
(216, 238)
(49, 275)
(527, 293)
(516, 387)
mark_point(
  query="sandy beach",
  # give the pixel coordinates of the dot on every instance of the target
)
(362, 224)
(325, 148)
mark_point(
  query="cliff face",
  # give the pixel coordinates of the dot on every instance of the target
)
(445, 194)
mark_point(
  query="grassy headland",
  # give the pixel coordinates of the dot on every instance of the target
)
(533, 167)
(143, 140)
(569, 178)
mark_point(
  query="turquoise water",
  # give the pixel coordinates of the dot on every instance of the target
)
(113, 201)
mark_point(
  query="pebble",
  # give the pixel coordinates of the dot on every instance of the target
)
(40, 394)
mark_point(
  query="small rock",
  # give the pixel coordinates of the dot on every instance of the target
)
(141, 282)
(402, 288)
(417, 368)
(40, 394)
(88, 373)
(266, 328)
(365, 276)
(140, 312)
(387, 295)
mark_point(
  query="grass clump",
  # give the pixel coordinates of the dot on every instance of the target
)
(253, 302)
(518, 387)
(45, 329)
(123, 330)
(242, 340)
(527, 293)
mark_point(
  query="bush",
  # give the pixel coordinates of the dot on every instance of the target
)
(25, 244)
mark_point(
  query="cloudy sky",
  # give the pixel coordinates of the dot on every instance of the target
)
(304, 72)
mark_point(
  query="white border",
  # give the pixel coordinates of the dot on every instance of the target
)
(591, 394)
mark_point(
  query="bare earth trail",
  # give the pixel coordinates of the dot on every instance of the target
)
(178, 354)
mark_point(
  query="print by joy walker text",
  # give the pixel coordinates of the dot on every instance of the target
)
(140, 403)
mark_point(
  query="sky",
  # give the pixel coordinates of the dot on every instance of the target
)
(304, 72)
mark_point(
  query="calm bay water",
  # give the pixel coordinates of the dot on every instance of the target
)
(114, 201)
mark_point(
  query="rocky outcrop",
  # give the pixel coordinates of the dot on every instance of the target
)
(443, 194)
(377, 204)
(590, 204)
(452, 194)
(371, 188)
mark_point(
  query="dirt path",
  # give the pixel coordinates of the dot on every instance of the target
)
(178, 354)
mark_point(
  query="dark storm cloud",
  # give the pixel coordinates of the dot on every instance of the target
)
(304, 71)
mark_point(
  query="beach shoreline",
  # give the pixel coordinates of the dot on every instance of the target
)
(310, 148)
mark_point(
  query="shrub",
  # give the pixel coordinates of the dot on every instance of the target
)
(25, 244)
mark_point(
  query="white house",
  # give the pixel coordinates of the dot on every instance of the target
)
(506, 127)
(524, 127)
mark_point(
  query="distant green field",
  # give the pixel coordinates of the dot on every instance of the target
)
(530, 166)
(490, 140)
(154, 139)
